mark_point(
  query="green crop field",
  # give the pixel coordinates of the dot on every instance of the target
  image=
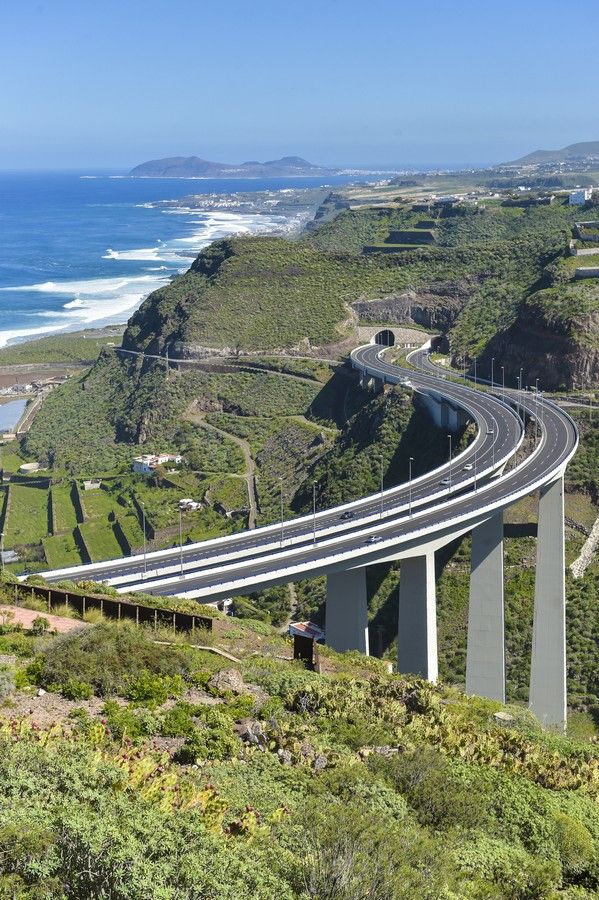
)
(98, 503)
(100, 541)
(27, 521)
(11, 458)
(65, 515)
(61, 551)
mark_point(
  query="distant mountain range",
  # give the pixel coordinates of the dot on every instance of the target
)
(196, 167)
(567, 154)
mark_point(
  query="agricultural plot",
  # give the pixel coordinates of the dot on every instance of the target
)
(61, 551)
(254, 429)
(131, 529)
(98, 503)
(11, 458)
(64, 513)
(229, 491)
(100, 541)
(27, 521)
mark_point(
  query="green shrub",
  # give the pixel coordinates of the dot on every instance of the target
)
(17, 642)
(40, 625)
(73, 689)
(7, 681)
(516, 874)
(178, 721)
(110, 657)
(215, 739)
(438, 796)
(576, 846)
(154, 690)
(125, 722)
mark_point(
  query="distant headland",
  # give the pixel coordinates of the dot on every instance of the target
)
(196, 167)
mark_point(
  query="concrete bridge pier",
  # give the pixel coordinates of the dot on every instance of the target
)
(417, 624)
(485, 655)
(346, 617)
(548, 698)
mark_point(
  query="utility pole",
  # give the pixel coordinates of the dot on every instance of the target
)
(411, 460)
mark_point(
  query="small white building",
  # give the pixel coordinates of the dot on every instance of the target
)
(580, 196)
(146, 464)
(189, 503)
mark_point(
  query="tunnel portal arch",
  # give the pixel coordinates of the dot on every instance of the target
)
(385, 338)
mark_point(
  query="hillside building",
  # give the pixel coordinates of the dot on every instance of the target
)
(148, 463)
(580, 196)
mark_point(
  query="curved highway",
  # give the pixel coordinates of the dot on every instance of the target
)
(380, 525)
(499, 434)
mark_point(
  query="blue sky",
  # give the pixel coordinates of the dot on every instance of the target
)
(108, 84)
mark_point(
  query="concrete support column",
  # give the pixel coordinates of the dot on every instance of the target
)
(346, 611)
(417, 625)
(485, 656)
(445, 413)
(548, 664)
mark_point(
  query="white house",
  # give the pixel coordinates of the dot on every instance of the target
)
(146, 464)
(580, 196)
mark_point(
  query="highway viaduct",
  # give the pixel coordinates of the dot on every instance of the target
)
(410, 523)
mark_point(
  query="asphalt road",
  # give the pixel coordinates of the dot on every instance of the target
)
(209, 566)
(556, 445)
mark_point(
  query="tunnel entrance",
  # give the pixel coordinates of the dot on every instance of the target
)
(385, 338)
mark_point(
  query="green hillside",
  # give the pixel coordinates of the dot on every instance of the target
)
(168, 771)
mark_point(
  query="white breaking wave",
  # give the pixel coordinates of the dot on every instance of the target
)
(14, 334)
(103, 301)
(89, 286)
(98, 301)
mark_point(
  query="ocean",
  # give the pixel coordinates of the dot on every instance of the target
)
(83, 251)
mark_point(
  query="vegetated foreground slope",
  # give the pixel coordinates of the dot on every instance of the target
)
(262, 779)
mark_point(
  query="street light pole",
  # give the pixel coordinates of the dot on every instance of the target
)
(411, 460)
(314, 512)
(503, 382)
(475, 373)
(449, 491)
(492, 367)
(181, 539)
(382, 487)
(143, 528)
(282, 520)
(2, 550)
(475, 485)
